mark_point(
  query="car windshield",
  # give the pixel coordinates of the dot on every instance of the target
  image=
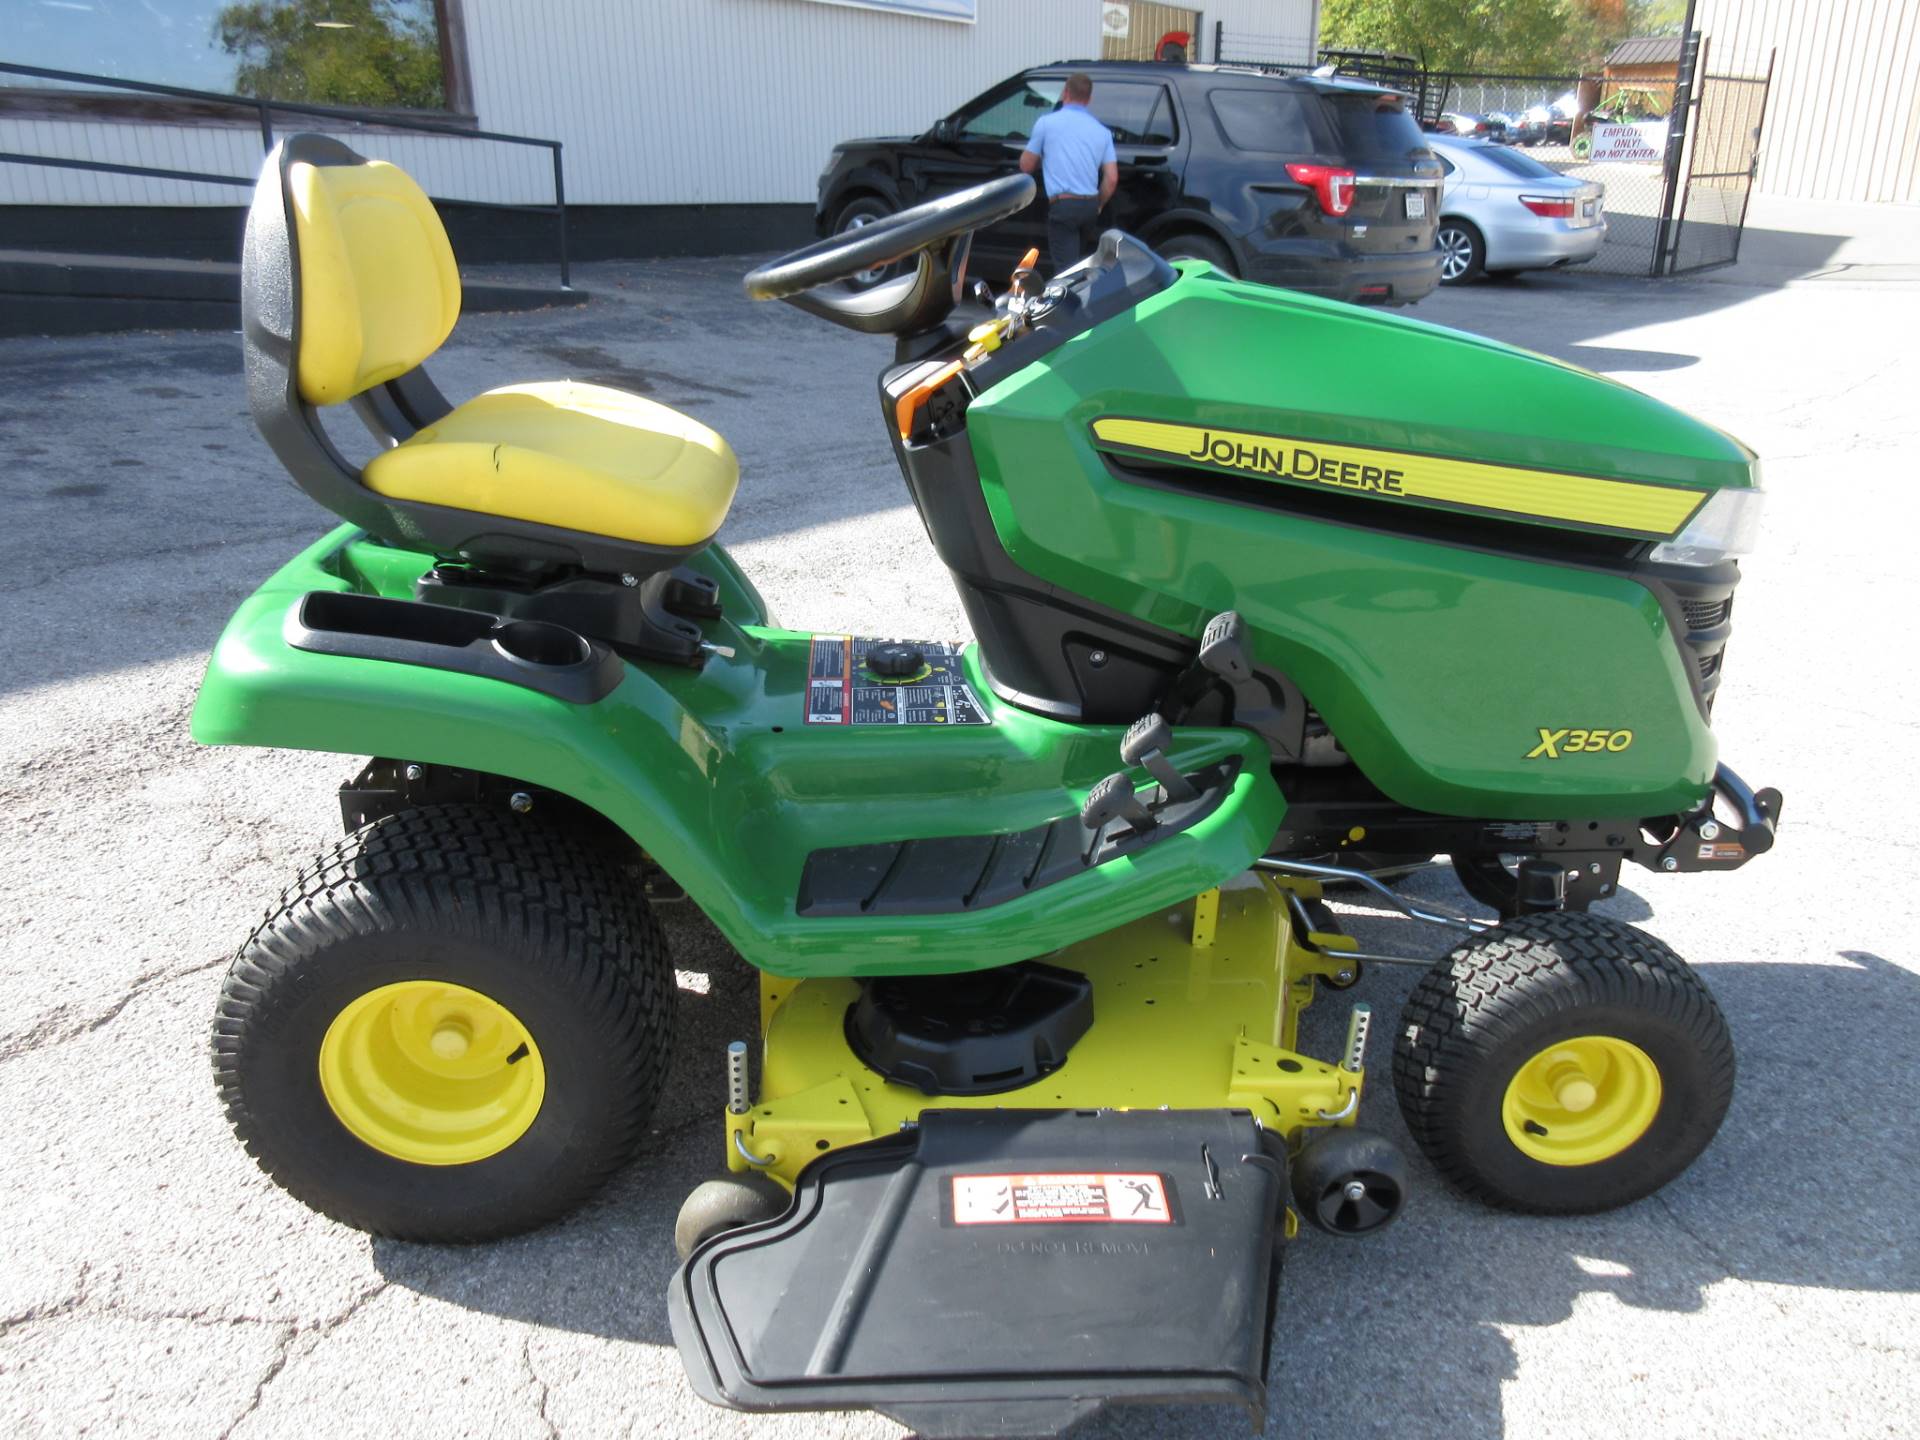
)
(1010, 116)
(1376, 127)
(1514, 163)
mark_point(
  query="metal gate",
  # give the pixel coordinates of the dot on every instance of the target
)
(1722, 143)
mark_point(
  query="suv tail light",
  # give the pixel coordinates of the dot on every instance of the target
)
(1333, 185)
(1554, 207)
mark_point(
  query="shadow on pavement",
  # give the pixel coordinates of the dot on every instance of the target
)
(1404, 1322)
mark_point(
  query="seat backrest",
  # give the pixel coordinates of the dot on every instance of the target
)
(378, 290)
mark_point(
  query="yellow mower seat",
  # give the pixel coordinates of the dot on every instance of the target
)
(579, 457)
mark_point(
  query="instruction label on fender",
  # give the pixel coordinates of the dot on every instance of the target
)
(1099, 1198)
(841, 690)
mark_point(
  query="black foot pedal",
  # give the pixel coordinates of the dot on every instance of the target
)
(1113, 799)
(1145, 744)
(999, 1273)
(1223, 649)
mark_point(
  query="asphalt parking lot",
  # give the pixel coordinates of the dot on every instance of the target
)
(154, 1283)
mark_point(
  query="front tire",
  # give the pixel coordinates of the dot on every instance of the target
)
(452, 1028)
(857, 214)
(1562, 1064)
(1463, 251)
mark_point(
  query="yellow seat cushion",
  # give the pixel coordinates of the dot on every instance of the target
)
(378, 288)
(578, 457)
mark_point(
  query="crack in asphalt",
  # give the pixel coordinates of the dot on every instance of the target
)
(544, 1389)
(40, 1314)
(55, 1030)
(283, 1351)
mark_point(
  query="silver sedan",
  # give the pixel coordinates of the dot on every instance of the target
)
(1503, 210)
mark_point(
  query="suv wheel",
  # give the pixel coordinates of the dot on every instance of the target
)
(857, 214)
(1463, 254)
(1199, 247)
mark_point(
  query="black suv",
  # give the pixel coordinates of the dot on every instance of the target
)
(1321, 185)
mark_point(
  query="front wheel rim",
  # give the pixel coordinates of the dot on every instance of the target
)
(1581, 1101)
(1456, 254)
(432, 1073)
(878, 272)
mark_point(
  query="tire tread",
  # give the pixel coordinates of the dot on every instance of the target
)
(1490, 989)
(512, 882)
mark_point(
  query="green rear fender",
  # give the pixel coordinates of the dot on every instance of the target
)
(715, 775)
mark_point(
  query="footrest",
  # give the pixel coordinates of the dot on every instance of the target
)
(946, 874)
(999, 1273)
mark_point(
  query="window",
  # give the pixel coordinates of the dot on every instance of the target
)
(1009, 115)
(1265, 119)
(1137, 114)
(1514, 163)
(372, 54)
(1372, 127)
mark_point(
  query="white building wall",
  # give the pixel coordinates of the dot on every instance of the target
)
(1287, 31)
(658, 102)
(1843, 117)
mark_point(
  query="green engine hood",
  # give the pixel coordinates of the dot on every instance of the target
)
(1297, 390)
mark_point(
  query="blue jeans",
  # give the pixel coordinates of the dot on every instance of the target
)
(1072, 226)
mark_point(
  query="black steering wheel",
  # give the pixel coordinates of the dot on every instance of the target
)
(914, 231)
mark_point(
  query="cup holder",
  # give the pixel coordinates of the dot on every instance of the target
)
(533, 654)
(535, 642)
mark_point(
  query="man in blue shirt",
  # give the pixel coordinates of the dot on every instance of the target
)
(1080, 171)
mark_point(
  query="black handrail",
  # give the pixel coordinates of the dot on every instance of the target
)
(265, 109)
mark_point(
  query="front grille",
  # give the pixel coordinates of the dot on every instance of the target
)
(1705, 614)
(1702, 603)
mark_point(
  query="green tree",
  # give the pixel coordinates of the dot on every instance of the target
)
(383, 54)
(1531, 37)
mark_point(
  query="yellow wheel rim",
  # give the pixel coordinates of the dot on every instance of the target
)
(1581, 1101)
(432, 1073)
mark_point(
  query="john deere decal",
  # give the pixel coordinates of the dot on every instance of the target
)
(1628, 507)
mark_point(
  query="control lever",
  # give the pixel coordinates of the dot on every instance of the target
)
(1023, 272)
(1145, 744)
(1223, 653)
(1113, 799)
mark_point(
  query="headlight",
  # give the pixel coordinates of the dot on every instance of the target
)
(1727, 525)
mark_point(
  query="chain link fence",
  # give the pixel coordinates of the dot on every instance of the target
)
(1548, 116)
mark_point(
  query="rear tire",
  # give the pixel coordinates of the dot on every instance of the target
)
(378, 1111)
(1463, 250)
(1198, 247)
(1625, 1029)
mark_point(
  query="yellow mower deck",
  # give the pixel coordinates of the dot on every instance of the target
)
(1194, 1008)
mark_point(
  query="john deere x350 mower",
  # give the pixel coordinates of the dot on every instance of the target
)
(1257, 608)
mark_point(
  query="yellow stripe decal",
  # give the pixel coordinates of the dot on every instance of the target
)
(1634, 507)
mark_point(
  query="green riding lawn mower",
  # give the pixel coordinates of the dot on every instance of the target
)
(1258, 610)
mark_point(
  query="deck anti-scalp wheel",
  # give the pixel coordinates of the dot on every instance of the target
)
(453, 1027)
(1562, 1063)
(727, 1203)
